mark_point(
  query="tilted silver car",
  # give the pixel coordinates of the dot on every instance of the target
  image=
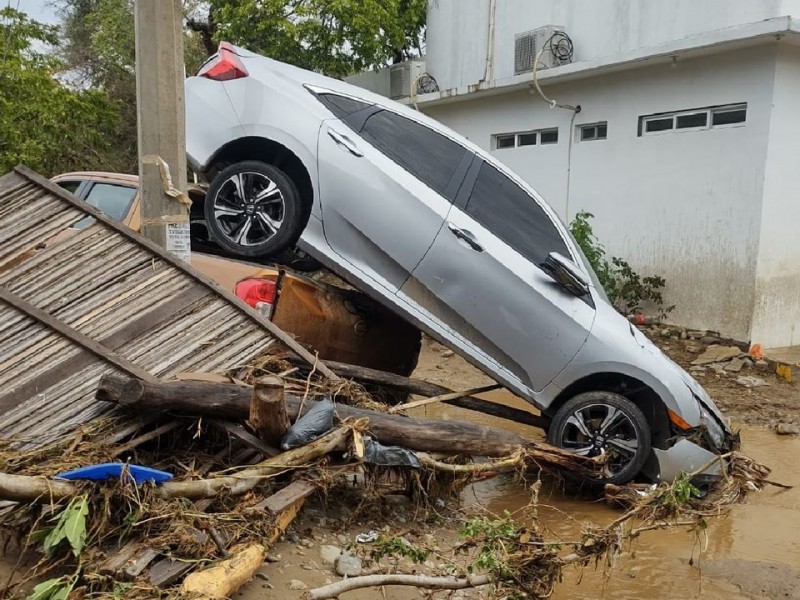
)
(439, 230)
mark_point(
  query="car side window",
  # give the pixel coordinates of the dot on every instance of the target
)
(112, 200)
(513, 215)
(429, 156)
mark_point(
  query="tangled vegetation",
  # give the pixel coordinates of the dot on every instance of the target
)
(628, 291)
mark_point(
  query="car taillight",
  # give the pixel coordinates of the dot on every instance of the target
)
(224, 66)
(258, 293)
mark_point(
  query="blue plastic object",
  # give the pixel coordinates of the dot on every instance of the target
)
(113, 470)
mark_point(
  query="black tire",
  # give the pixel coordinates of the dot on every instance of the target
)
(625, 438)
(246, 226)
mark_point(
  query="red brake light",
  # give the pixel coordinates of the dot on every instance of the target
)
(226, 65)
(254, 291)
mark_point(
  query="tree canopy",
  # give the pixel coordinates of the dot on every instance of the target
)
(43, 123)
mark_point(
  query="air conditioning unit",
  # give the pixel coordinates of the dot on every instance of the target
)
(402, 75)
(557, 49)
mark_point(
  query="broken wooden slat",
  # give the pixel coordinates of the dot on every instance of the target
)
(244, 436)
(284, 498)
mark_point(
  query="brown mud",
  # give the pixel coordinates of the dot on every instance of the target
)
(752, 553)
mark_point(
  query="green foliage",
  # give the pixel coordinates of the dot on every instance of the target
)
(69, 525)
(627, 290)
(336, 37)
(57, 588)
(398, 547)
(492, 538)
(43, 123)
(680, 492)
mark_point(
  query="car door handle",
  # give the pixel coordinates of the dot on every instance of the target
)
(344, 142)
(466, 237)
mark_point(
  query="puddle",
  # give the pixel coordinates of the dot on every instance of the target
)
(734, 565)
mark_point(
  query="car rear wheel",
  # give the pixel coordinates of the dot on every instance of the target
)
(253, 209)
(604, 423)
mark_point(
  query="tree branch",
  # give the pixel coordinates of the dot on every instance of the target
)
(421, 581)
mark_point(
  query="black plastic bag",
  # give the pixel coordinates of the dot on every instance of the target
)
(376, 453)
(316, 422)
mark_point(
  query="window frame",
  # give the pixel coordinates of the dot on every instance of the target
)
(596, 126)
(516, 135)
(90, 184)
(709, 111)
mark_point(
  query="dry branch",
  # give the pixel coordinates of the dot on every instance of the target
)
(334, 590)
(443, 398)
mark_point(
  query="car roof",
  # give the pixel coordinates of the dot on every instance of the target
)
(99, 176)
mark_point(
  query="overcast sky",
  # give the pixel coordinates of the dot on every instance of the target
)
(41, 10)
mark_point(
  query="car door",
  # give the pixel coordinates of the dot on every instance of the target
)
(482, 278)
(386, 183)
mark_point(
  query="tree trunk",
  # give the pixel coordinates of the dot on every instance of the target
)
(268, 410)
(225, 578)
(425, 388)
(232, 401)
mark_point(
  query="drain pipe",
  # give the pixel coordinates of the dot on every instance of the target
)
(488, 72)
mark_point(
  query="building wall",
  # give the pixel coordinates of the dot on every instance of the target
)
(776, 319)
(458, 29)
(684, 205)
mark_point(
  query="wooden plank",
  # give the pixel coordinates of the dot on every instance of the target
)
(136, 566)
(168, 571)
(141, 241)
(284, 498)
(78, 338)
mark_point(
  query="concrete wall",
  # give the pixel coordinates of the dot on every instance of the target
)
(458, 29)
(685, 205)
(776, 318)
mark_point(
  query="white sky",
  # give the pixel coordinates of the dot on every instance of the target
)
(41, 10)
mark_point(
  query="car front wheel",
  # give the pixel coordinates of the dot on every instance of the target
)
(604, 423)
(253, 209)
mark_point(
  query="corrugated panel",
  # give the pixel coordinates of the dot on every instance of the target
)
(102, 300)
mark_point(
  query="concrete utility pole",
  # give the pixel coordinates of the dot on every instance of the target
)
(161, 127)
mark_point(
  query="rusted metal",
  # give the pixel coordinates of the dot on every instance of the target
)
(102, 301)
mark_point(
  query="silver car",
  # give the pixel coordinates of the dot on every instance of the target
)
(443, 233)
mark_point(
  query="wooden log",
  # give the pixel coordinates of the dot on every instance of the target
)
(425, 388)
(233, 401)
(30, 488)
(226, 577)
(268, 410)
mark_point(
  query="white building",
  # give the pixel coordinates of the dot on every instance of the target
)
(686, 147)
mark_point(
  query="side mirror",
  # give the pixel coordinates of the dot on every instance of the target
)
(566, 274)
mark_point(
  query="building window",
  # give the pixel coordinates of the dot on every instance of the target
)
(594, 131)
(540, 137)
(697, 119)
(549, 136)
(505, 141)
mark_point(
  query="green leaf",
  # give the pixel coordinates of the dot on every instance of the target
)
(53, 589)
(75, 524)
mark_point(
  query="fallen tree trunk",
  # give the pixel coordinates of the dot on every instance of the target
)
(425, 388)
(232, 401)
(225, 578)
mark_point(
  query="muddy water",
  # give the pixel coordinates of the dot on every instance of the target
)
(754, 552)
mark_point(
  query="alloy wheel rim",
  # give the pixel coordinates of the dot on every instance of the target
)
(249, 208)
(602, 429)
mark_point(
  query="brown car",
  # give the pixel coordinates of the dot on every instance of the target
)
(342, 325)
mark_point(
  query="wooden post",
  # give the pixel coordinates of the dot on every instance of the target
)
(268, 410)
